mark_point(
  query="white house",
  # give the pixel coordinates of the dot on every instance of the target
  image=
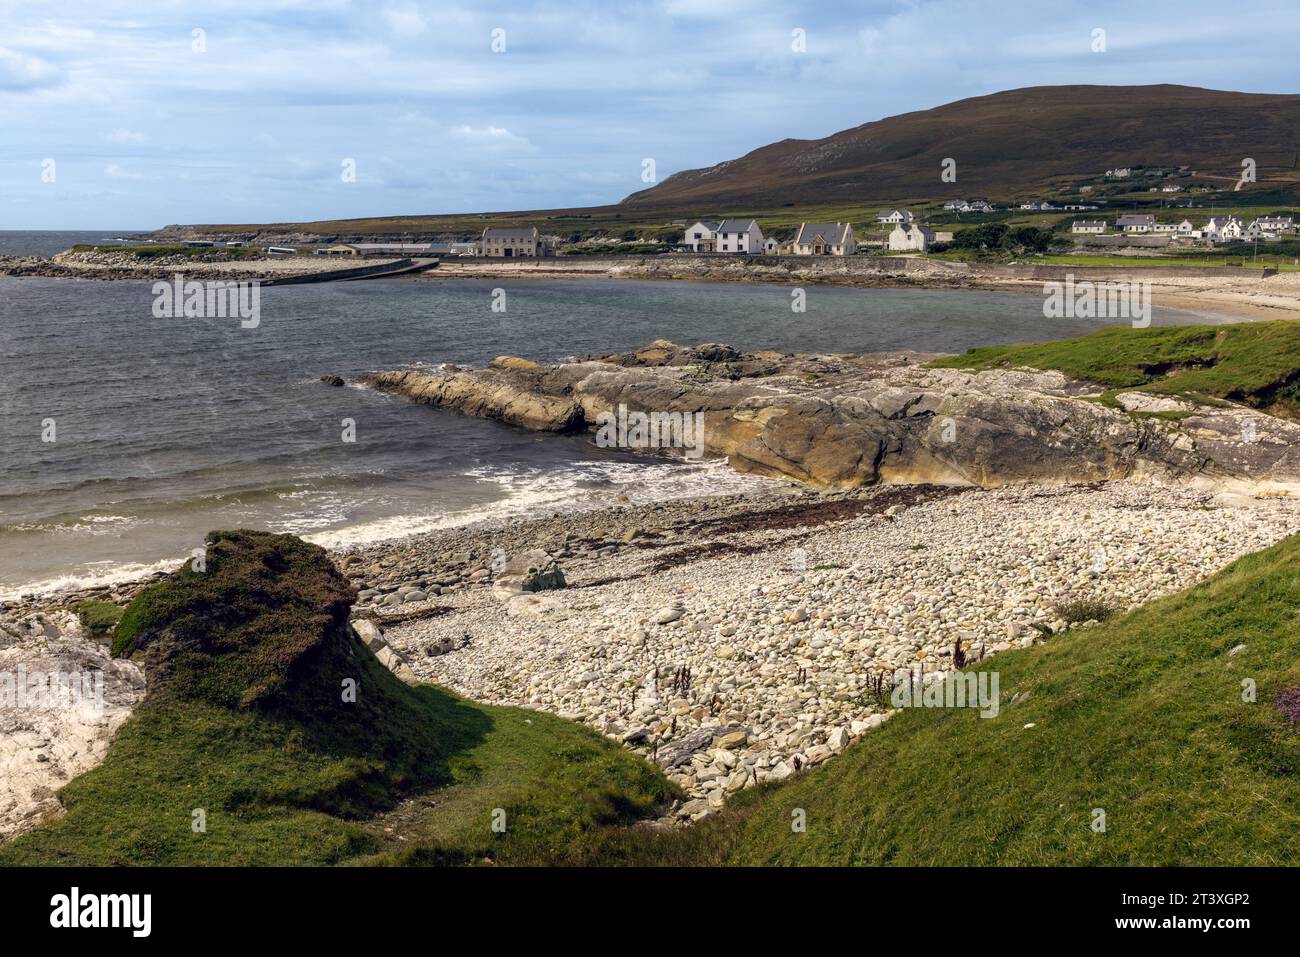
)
(911, 236)
(701, 236)
(1143, 223)
(738, 236)
(771, 247)
(979, 206)
(959, 205)
(1223, 229)
(824, 239)
(1088, 226)
(894, 216)
(1257, 231)
(1276, 223)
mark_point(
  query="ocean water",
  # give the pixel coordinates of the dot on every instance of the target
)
(167, 428)
(47, 242)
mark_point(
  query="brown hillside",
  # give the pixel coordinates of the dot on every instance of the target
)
(1006, 145)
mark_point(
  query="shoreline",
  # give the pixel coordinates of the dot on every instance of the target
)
(1233, 293)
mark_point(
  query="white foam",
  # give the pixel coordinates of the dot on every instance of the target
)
(114, 575)
(534, 492)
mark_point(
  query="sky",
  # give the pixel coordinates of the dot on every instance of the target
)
(118, 115)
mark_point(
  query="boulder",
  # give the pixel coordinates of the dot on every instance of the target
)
(530, 571)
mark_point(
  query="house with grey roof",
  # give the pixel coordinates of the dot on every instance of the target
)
(911, 236)
(739, 236)
(702, 236)
(824, 239)
(513, 242)
(1143, 223)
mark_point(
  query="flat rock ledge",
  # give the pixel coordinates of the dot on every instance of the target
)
(849, 420)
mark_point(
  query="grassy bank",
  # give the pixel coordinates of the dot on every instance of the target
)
(1255, 364)
(249, 731)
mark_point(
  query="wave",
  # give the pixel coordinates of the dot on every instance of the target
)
(532, 493)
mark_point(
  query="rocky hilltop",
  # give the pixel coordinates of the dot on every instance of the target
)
(850, 420)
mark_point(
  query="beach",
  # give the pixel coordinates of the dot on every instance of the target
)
(731, 639)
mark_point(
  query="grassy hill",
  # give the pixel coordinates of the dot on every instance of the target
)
(1011, 144)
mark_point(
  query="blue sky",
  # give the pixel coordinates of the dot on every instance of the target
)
(146, 126)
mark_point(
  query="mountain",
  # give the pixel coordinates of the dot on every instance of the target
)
(1007, 145)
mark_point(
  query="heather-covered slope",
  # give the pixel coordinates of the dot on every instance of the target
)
(1006, 145)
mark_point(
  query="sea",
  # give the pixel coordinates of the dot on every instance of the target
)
(125, 438)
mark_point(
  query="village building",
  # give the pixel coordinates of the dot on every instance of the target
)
(702, 236)
(1276, 223)
(892, 216)
(1224, 229)
(1095, 226)
(1140, 223)
(513, 242)
(824, 239)
(393, 249)
(738, 236)
(911, 236)
(1256, 231)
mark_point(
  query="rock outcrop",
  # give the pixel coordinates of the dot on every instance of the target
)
(848, 420)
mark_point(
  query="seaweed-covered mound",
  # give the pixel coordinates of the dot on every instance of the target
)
(240, 625)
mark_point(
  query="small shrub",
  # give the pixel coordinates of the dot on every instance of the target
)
(1288, 704)
(1085, 609)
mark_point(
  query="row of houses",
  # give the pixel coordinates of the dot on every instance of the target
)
(743, 237)
(1218, 229)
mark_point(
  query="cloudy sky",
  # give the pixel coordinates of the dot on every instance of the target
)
(135, 115)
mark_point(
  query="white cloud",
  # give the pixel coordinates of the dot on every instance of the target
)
(126, 136)
(113, 171)
(19, 71)
(491, 137)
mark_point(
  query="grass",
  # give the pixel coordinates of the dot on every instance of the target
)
(248, 721)
(1254, 364)
(98, 617)
(157, 250)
